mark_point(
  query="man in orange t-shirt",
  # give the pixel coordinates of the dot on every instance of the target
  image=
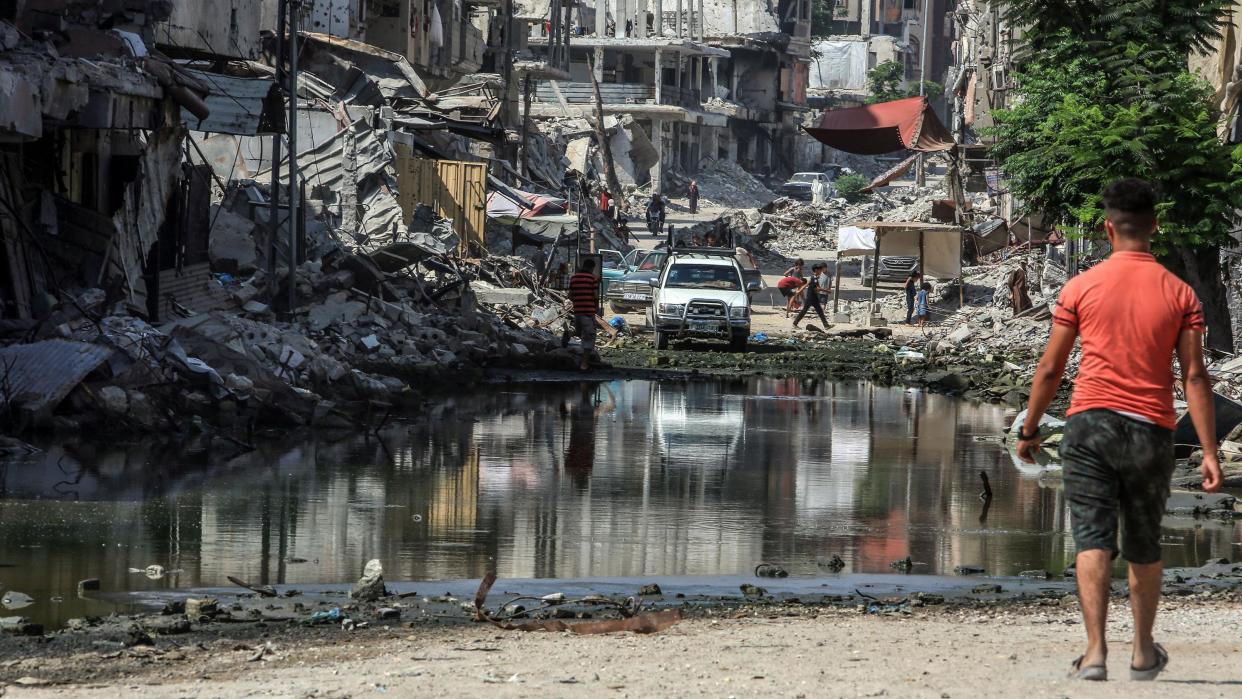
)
(1132, 316)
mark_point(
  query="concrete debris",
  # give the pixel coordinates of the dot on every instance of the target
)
(726, 184)
(370, 586)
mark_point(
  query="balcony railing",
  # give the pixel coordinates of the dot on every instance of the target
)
(620, 93)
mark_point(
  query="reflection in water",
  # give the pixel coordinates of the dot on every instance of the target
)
(589, 480)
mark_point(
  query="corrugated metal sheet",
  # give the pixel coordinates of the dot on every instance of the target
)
(236, 105)
(38, 376)
(192, 288)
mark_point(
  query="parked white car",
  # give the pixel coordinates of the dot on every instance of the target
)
(701, 295)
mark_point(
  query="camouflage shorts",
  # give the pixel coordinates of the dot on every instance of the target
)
(1116, 468)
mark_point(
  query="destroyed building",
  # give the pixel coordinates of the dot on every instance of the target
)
(166, 259)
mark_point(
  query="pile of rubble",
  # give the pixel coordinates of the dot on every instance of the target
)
(726, 184)
(341, 357)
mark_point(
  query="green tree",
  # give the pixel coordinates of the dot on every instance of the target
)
(1103, 92)
(822, 17)
(884, 84)
(853, 188)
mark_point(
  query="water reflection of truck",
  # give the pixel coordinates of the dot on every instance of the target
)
(696, 423)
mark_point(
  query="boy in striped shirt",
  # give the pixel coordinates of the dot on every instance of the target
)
(584, 295)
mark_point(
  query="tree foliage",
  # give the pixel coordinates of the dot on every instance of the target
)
(884, 84)
(853, 187)
(822, 16)
(1111, 98)
(1104, 92)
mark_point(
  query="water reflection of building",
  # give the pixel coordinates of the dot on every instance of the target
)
(694, 478)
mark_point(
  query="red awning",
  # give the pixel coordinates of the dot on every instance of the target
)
(884, 128)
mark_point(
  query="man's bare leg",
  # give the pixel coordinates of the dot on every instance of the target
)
(1145, 582)
(1093, 574)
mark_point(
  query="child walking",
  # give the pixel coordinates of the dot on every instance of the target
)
(920, 304)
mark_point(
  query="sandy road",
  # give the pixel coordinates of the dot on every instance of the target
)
(792, 653)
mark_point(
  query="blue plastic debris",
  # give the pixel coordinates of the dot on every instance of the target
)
(759, 337)
(326, 617)
(617, 322)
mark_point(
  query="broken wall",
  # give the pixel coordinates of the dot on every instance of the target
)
(220, 27)
(724, 18)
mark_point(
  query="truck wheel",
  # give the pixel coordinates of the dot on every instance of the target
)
(618, 308)
(737, 343)
(661, 340)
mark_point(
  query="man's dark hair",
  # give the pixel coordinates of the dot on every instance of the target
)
(1130, 205)
(588, 265)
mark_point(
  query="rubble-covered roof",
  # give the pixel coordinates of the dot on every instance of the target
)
(331, 58)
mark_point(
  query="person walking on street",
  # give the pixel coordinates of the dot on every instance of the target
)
(584, 296)
(692, 192)
(810, 297)
(922, 311)
(913, 284)
(1117, 447)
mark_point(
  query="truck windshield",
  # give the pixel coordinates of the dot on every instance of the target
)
(804, 177)
(685, 276)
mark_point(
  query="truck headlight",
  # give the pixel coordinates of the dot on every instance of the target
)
(672, 309)
(739, 312)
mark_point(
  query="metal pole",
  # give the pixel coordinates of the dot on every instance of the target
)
(295, 205)
(875, 269)
(274, 216)
(921, 172)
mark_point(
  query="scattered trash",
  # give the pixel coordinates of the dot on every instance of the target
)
(554, 598)
(329, 616)
(16, 600)
(632, 620)
(752, 590)
(905, 564)
(770, 570)
(834, 563)
(650, 590)
(263, 652)
(198, 608)
(987, 589)
(968, 570)
(260, 590)
(759, 337)
(155, 571)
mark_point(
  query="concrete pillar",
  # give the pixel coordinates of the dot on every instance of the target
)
(659, 75)
(700, 16)
(659, 17)
(865, 19)
(601, 17)
(680, 33)
(681, 68)
(599, 64)
(732, 148)
(657, 139)
(715, 75)
(733, 85)
(712, 147)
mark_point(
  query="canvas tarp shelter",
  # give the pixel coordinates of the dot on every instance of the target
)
(839, 65)
(941, 245)
(905, 124)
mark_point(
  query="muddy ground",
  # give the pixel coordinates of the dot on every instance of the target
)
(969, 649)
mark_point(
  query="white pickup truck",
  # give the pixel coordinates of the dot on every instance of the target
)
(699, 295)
